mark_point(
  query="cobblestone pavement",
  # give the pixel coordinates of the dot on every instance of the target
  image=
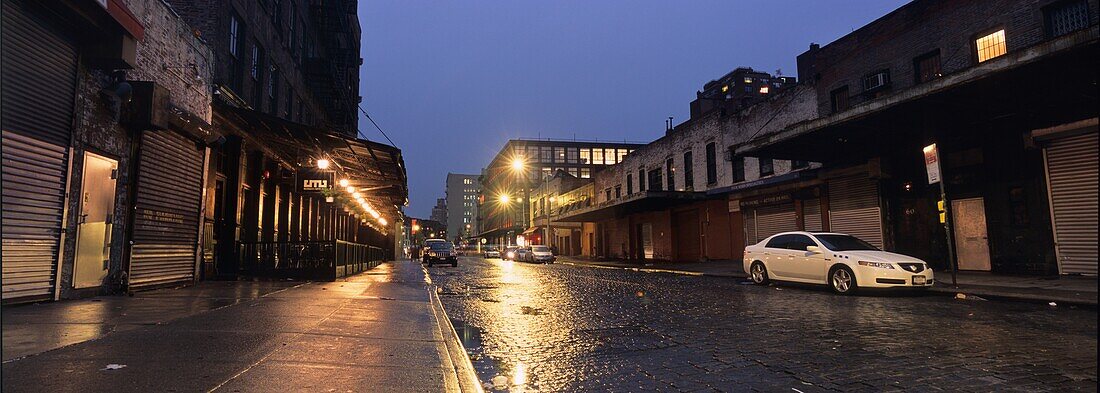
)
(570, 328)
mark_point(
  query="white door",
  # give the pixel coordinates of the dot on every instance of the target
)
(971, 238)
(93, 231)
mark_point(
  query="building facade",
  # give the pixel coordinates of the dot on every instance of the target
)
(1004, 90)
(461, 205)
(521, 166)
(737, 90)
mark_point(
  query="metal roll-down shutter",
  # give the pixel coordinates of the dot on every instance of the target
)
(811, 215)
(1072, 173)
(36, 108)
(774, 219)
(854, 209)
(169, 193)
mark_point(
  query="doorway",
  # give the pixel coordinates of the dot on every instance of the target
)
(93, 230)
(971, 237)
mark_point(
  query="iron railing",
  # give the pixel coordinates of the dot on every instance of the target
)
(313, 260)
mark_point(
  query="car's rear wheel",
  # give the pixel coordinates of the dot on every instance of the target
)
(758, 273)
(843, 281)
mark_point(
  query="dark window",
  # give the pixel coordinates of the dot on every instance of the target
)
(293, 30)
(839, 99)
(234, 35)
(629, 184)
(277, 15)
(289, 103)
(738, 169)
(257, 76)
(799, 164)
(301, 109)
(779, 241)
(876, 81)
(608, 192)
(273, 91)
(641, 179)
(655, 179)
(927, 67)
(844, 243)
(618, 191)
(236, 38)
(689, 174)
(767, 167)
(670, 174)
(1066, 17)
(712, 164)
(799, 242)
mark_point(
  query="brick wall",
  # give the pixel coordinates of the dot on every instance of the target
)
(895, 40)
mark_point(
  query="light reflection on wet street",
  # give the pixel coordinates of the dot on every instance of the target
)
(567, 328)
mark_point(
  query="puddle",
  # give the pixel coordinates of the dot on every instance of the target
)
(495, 375)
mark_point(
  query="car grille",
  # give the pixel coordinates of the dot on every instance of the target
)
(912, 267)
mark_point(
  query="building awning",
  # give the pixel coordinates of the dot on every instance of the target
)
(495, 232)
(638, 202)
(1040, 85)
(371, 166)
(532, 230)
(765, 182)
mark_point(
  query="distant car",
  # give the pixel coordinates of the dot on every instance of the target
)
(427, 247)
(441, 252)
(843, 262)
(509, 253)
(539, 254)
(521, 254)
(492, 253)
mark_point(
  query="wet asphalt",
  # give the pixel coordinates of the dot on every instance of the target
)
(571, 328)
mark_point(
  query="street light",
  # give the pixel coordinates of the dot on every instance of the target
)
(323, 164)
(504, 199)
(519, 166)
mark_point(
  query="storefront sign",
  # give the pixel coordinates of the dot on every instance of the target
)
(734, 206)
(766, 200)
(932, 163)
(313, 181)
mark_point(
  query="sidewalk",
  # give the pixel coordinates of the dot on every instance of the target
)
(1064, 289)
(381, 330)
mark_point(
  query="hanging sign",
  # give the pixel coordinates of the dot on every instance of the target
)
(932, 163)
(314, 181)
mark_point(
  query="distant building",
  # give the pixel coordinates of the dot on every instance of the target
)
(738, 89)
(461, 205)
(500, 215)
(439, 212)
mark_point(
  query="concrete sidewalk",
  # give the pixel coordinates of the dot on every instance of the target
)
(1064, 289)
(382, 330)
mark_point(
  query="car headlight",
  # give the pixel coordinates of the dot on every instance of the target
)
(880, 265)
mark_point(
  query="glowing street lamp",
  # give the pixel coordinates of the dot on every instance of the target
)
(323, 164)
(504, 199)
(344, 182)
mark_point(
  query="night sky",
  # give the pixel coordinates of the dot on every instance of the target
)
(451, 81)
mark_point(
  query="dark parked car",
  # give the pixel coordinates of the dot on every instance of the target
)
(441, 252)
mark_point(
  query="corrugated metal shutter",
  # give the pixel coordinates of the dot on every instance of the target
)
(169, 193)
(854, 209)
(749, 219)
(771, 220)
(811, 215)
(39, 79)
(1072, 170)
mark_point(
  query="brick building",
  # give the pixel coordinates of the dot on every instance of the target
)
(1005, 89)
(738, 89)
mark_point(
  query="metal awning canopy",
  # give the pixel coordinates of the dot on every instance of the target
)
(1050, 83)
(371, 166)
(638, 202)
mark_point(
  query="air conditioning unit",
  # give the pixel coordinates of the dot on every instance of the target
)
(876, 81)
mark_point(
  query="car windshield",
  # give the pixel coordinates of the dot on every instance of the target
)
(845, 243)
(540, 249)
(440, 245)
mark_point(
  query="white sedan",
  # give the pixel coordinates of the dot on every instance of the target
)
(843, 262)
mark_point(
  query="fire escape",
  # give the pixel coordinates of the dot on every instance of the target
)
(333, 69)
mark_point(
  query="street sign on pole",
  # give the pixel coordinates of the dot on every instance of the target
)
(932, 163)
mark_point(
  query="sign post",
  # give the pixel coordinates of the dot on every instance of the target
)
(932, 165)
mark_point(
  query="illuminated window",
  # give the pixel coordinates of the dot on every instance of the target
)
(763, 90)
(622, 154)
(597, 156)
(748, 80)
(559, 154)
(586, 173)
(609, 156)
(586, 156)
(991, 46)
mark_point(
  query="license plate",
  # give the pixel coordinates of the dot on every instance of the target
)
(918, 280)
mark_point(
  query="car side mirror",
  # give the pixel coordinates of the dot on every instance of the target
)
(814, 249)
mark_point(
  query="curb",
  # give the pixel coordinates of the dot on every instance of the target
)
(462, 366)
(939, 291)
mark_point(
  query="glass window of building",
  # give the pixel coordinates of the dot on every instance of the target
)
(712, 164)
(641, 179)
(532, 153)
(597, 156)
(622, 153)
(991, 45)
(571, 155)
(670, 173)
(609, 156)
(586, 173)
(546, 154)
(629, 184)
(559, 154)
(689, 173)
(767, 167)
(574, 172)
(546, 172)
(586, 156)
(738, 169)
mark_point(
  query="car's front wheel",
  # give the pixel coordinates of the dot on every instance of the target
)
(758, 273)
(843, 281)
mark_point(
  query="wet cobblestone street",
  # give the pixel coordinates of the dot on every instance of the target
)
(570, 328)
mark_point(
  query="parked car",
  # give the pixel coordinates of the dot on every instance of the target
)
(441, 252)
(843, 262)
(509, 253)
(521, 254)
(427, 247)
(539, 254)
(492, 253)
